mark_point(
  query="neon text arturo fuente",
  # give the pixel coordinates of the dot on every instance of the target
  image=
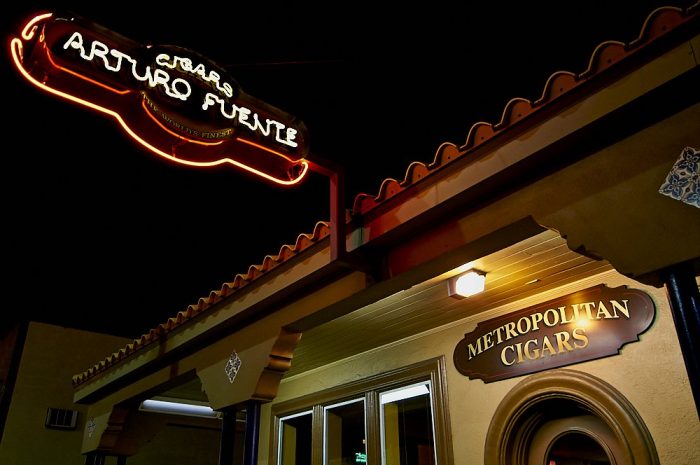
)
(563, 341)
(172, 101)
(179, 88)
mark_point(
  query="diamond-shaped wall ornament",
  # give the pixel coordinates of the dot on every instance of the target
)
(232, 366)
(683, 181)
(91, 425)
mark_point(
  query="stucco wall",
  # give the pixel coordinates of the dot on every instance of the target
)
(179, 445)
(51, 356)
(650, 373)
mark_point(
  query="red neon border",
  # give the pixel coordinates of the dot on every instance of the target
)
(16, 47)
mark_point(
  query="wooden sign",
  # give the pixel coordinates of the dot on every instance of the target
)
(586, 325)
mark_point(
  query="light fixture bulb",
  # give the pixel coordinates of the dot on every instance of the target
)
(178, 408)
(467, 284)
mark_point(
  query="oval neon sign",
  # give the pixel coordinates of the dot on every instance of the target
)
(171, 100)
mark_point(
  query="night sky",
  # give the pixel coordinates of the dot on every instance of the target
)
(100, 234)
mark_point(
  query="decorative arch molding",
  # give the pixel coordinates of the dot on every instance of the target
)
(279, 362)
(523, 410)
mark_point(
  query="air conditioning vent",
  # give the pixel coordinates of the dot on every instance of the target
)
(60, 418)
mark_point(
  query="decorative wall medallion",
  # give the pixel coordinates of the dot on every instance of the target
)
(683, 181)
(232, 366)
(91, 425)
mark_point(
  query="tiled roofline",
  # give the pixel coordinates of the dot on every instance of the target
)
(605, 56)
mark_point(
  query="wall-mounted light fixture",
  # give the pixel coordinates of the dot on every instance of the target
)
(406, 392)
(466, 284)
(178, 408)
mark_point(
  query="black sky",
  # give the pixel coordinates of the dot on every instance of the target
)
(100, 235)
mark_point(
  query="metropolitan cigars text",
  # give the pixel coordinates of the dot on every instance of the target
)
(578, 316)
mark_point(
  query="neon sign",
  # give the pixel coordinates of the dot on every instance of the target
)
(171, 100)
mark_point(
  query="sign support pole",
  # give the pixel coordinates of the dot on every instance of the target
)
(336, 176)
(338, 223)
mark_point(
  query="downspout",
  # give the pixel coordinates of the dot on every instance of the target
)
(684, 296)
(252, 430)
(227, 438)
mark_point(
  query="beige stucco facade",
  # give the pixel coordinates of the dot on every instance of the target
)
(650, 373)
(50, 356)
(51, 353)
(564, 201)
